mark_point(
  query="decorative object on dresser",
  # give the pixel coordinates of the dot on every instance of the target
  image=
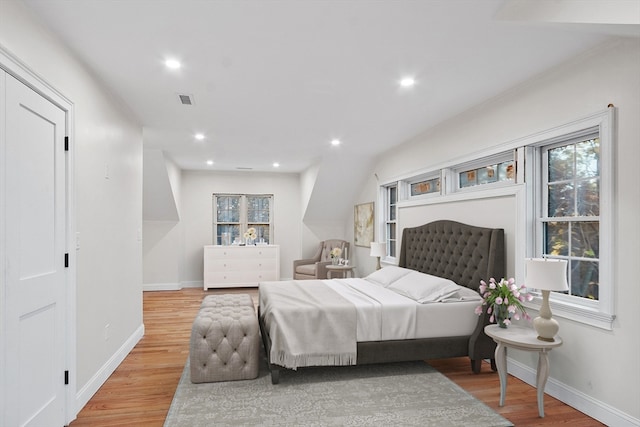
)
(240, 266)
(316, 266)
(546, 275)
(440, 268)
(378, 250)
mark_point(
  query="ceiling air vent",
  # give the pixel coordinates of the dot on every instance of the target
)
(243, 168)
(186, 99)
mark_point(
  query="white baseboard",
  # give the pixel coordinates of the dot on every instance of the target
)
(171, 286)
(91, 387)
(161, 286)
(192, 284)
(575, 398)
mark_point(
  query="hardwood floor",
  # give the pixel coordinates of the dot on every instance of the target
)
(140, 391)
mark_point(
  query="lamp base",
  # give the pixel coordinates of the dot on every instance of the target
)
(546, 328)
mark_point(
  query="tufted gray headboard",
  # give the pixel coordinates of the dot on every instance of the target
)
(463, 253)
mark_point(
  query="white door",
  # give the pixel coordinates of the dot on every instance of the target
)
(34, 257)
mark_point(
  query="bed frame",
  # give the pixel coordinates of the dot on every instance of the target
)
(463, 253)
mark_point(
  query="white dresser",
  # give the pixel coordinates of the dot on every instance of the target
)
(237, 266)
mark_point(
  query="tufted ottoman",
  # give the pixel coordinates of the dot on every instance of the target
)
(227, 300)
(225, 344)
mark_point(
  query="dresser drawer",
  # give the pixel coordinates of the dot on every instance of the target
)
(229, 266)
(236, 264)
(239, 278)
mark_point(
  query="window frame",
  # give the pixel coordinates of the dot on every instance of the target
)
(423, 178)
(386, 221)
(243, 222)
(495, 159)
(598, 313)
(543, 218)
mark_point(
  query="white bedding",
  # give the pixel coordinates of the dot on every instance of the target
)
(318, 322)
(383, 314)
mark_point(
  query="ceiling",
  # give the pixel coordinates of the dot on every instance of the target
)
(276, 81)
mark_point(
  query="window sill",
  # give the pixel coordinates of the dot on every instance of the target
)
(578, 313)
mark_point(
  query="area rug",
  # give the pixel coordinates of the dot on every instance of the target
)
(395, 394)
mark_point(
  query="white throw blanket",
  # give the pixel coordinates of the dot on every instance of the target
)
(323, 330)
(382, 314)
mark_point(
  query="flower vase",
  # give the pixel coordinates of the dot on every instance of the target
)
(335, 261)
(502, 314)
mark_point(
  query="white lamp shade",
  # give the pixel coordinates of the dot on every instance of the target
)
(378, 249)
(546, 274)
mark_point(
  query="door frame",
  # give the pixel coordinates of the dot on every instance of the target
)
(16, 68)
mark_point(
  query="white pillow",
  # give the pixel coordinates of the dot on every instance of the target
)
(387, 275)
(424, 288)
(463, 294)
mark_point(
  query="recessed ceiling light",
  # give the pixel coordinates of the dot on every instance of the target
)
(335, 142)
(172, 64)
(407, 82)
(276, 164)
(199, 136)
(209, 162)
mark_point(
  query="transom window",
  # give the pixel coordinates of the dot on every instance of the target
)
(236, 213)
(425, 186)
(503, 171)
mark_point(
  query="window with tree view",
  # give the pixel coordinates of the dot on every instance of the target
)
(571, 217)
(234, 214)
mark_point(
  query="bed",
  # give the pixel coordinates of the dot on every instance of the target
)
(350, 321)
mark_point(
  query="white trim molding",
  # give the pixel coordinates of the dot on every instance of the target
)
(102, 375)
(22, 72)
(594, 408)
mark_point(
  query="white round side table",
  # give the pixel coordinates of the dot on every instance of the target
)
(522, 338)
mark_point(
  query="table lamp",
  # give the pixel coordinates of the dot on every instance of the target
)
(378, 249)
(546, 275)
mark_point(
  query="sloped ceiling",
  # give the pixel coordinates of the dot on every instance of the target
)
(275, 81)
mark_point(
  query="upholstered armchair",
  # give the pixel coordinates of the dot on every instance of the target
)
(316, 266)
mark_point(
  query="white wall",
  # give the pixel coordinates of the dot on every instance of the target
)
(162, 239)
(593, 365)
(162, 255)
(197, 210)
(108, 208)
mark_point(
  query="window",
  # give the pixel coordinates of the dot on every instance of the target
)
(498, 169)
(390, 218)
(570, 220)
(503, 171)
(570, 188)
(235, 213)
(430, 185)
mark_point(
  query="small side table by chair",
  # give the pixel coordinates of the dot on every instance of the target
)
(522, 338)
(342, 269)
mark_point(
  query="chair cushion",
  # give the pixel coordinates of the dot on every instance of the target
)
(308, 269)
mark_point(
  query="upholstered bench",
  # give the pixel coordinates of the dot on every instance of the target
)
(225, 344)
(227, 300)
